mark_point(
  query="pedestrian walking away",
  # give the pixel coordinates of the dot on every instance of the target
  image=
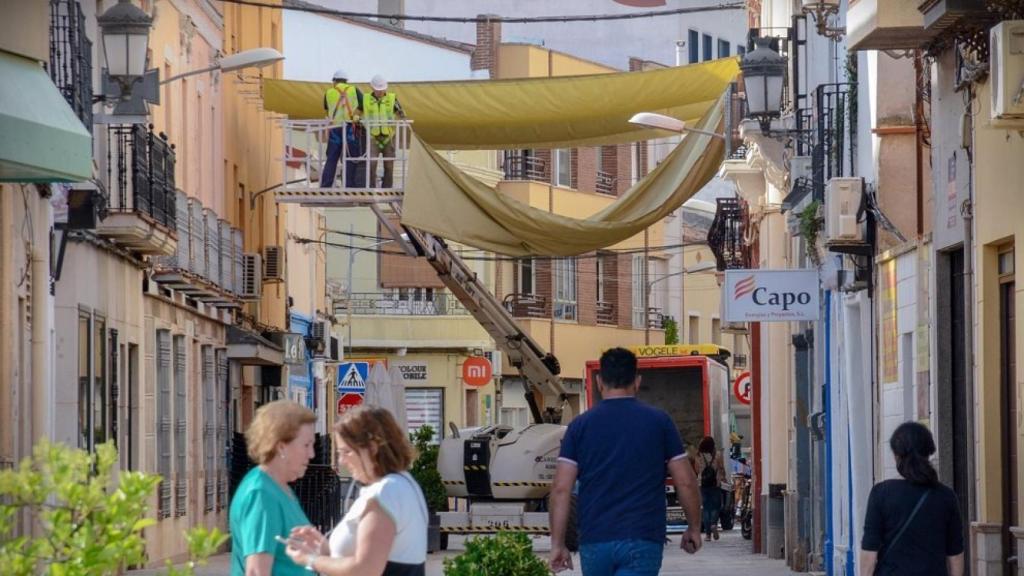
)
(385, 530)
(709, 466)
(913, 525)
(619, 451)
(344, 105)
(264, 508)
(381, 108)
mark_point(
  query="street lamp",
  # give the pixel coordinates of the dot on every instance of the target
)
(821, 10)
(703, 267)
(764, 73)
(253, 58)
(125, 33)
(663, 122)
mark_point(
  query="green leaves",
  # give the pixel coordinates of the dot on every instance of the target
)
(505, 554)
(88, 517)
(424, 469)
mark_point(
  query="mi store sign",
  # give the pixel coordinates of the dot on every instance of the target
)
(770, 295)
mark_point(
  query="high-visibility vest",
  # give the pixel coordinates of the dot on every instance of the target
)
(382, 110)
(342, 103)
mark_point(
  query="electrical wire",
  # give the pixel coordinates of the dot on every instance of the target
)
(507, 20)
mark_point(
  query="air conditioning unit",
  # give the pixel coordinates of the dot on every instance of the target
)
(273, 263)
(252, 277)
(319, 340)
(800, 167)
(1006, 61)
(842, 202)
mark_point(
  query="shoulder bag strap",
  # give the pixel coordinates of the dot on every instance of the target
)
(906, 524)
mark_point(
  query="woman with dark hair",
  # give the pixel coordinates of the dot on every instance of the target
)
(913, 524)
(710, 469)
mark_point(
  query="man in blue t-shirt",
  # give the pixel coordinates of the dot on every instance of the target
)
(619, 451)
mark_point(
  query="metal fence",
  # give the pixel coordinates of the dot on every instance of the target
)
(527, 306)
(834, 153)
(726, 236)
(523, 165)
(140, 173)
(356, 166)
(432, 303)
(71, 57)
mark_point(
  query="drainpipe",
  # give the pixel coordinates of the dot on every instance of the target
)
(829, 549)
(42, 317)
(967, 211)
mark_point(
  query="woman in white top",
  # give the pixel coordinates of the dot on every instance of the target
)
(385, 531)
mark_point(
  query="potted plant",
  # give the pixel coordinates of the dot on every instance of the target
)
(505, 554)
(424, 470)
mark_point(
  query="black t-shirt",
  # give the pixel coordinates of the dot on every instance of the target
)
(935, 532)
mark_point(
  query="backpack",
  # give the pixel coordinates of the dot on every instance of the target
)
(708, 476)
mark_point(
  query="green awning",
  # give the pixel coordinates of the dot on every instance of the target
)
(41, 139)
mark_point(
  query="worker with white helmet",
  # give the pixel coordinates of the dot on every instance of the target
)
(344, 105)
(381, 109)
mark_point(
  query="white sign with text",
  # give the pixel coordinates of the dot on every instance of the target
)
(771, 295)
(413, 373)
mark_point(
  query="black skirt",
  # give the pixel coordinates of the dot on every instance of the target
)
(399, 569)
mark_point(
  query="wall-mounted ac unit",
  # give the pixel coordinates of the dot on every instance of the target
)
(800, 167)
(252, 277)
(273, 263)
(842, 202)
(1006, 61)
(319, 338)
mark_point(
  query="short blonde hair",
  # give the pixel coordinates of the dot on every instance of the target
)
(375, 430)
(278, 421)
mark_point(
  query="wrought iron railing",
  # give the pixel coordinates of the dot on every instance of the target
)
(527, 306)
(834, 153)
(71, 57)
(735, 112)
(655, 318)
(384, 304)
(726, 236)
(523, 165)
(140, 173)
(605, 183)
(605, 312)
(354, 164)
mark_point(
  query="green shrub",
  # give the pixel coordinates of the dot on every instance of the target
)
(424, 469)
(505, 554)
(86, 523)
(671, 330)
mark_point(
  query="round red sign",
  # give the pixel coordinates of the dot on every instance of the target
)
(348, 401)
(741, 388)
(477, 371)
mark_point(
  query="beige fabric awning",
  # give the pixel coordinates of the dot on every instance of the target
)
(559, 112)
(444, 201)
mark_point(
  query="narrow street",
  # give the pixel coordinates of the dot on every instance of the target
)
(730, 555)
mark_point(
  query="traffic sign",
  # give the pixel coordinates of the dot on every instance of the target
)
(352, 376)
(741, 388)
(477, 371)
(349, 401)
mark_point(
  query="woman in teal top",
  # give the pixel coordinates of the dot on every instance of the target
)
(280, 441)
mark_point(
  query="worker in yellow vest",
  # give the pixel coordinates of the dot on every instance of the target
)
(381, 109)
(344, 105)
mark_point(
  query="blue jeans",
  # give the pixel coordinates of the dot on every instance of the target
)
(344, 139)
(621, 558)
(711, 507)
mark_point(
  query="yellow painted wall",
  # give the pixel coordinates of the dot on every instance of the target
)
(702, 297)
(576, 344)
(998, 211)
(529, 61)
(418, 331)
(253, 143)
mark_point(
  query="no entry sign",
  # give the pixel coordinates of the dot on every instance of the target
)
(741, 388)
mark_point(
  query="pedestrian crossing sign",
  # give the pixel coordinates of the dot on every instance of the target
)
(352, 377)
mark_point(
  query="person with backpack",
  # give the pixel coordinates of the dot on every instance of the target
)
(912, 525)
(710, 470)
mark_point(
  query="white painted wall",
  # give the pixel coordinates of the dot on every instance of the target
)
(315, 46)
(608, 42)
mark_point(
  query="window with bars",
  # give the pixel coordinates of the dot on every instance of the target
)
(565, 288)
(209, 428)
(639, 291)
(527, 279)
(563, 167)
(180, 448)
(222, 389)
(163, 410)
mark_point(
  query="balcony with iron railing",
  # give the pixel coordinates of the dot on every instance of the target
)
(437, 303)
(527, 305)
(140, 182)
(346, 173)
(606, 314)
(727, 234)
(834, 148)
(70, 63)
(604, 183)
(655, 318)
(522, 165)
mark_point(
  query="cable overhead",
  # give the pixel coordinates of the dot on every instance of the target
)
(502, 19)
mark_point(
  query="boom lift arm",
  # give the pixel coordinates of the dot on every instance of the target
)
(538, 368)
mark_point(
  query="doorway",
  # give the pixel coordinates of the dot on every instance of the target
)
(1008, 411)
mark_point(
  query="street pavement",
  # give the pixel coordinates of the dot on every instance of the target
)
(729, 556)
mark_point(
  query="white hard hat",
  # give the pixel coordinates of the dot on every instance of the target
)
(378, 83)
(340, 74)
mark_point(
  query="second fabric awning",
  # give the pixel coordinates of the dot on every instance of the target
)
(442, 200)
